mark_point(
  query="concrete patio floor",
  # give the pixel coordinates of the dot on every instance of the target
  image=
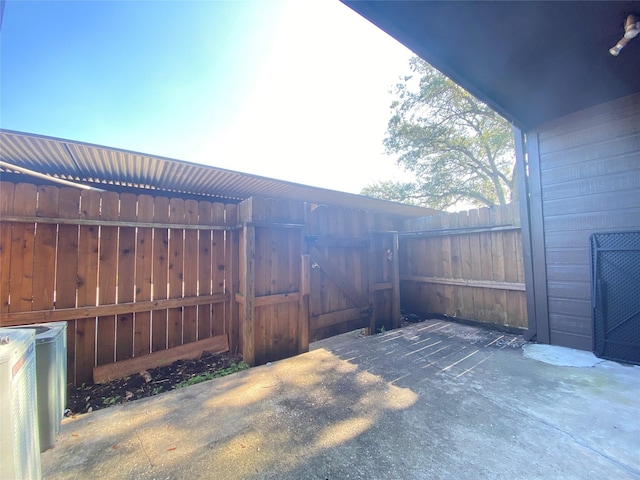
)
(431, 400)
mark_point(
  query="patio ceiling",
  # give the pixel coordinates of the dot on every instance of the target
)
(533, 62)
(111, 168)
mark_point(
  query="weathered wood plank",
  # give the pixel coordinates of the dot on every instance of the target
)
(447, 303)
(44, 316)
(45, 249)
(126, 276)
(113, 371)
(144, 280)
(497, 267)
(248, 290)
(55, 220)
(22, 250)
(160, 273)
(191, 262)
(176, 271)
(420, 231)
(337, 241)
(396, 317)
(266, 300)
(232, 279)
(204, 269)
(335, 318)
(67, 258)
(512, 286)
(220, 322)
(432, 265)
(486, 269)
(107, 279)
(66, 272)
(88, 248)
(372, 271)
(6, 208)
(303, 306)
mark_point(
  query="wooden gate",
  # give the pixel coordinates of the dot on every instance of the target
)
(353, 273)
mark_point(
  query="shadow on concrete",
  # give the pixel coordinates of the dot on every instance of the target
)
(432, 400)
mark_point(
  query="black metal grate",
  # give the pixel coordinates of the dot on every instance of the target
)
(615, 295)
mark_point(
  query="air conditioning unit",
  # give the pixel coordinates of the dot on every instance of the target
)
(51, 378)
(19, 442)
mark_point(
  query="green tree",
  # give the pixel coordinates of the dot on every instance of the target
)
(457, 148)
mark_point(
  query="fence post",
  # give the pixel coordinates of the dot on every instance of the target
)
(395, 283)
(248, 287)
(372, 281)
(303, 306)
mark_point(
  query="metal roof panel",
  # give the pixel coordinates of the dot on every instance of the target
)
(109, 166)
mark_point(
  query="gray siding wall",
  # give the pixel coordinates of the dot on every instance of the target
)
(590, 182)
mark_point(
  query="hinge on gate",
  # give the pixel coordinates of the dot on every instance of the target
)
(366, 311)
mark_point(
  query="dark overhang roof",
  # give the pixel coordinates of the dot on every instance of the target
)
(533, 62)
(107, 168)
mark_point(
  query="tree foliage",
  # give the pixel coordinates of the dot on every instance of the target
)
(457, 148)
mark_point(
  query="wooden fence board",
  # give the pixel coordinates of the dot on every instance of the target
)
(160, 273)
(231, 278)
(121, 369)
(497, 267)
(491, 310)
(67, 258)
(176, 271)
(219, 323)
(6, 208)
(22, 250)
(437, 266)
(45, 249)
(447, 300)
(144, 279)
(476, 265)
(88, 248)
(60, 314)
(126, 275)
(66, 269)
(205, 239)
(191, 262)
(247, 267)
(107, 278)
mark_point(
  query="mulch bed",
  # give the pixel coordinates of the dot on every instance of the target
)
(88, 398)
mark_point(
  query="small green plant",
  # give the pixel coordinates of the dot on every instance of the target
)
(382, 329)
(232, 368)
(203, 377)
(108, 401)
(157, 390)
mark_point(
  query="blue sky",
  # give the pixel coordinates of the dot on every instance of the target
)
(296, 90)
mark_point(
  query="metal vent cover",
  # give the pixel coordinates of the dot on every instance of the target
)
(615, 295)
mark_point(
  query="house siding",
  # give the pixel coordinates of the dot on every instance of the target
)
(589, 169)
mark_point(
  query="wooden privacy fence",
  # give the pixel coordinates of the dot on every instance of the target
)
(134, 275)
(465, 264)
(131, 274)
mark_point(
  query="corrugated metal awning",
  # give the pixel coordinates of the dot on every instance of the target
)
(103, 166)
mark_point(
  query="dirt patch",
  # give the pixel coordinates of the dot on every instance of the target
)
(88, 398)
